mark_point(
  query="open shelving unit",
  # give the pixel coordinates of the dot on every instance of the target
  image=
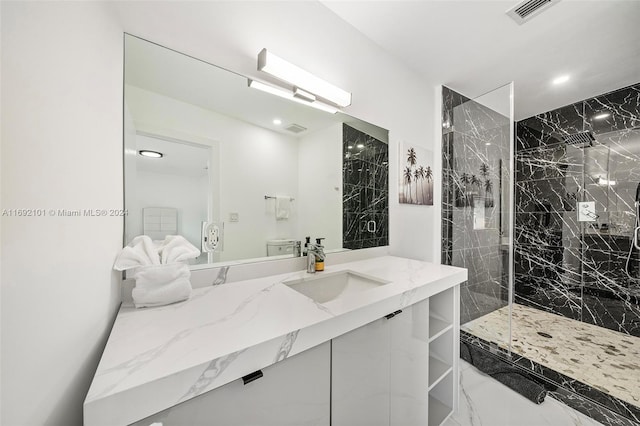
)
(441, 356)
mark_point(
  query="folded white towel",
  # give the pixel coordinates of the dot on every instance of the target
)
(176, 248)
(283, 207)
(141, 251)
(158, 268)
(159, 285)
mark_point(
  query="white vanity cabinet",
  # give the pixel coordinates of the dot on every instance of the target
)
(409, 365)
(293, 392)
(400, 369)
(380, 371)
(360, 365)
(352, 365)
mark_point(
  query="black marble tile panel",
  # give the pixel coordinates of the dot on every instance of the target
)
(623, 107)
(617, 311)
(551, 127)
(549, 161)
(550, 195)
(548, 229)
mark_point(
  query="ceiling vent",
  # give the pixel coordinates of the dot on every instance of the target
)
(526, 10)
(581, 139)
(295, 128)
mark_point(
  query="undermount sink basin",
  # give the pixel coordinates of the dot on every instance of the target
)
(325, 287)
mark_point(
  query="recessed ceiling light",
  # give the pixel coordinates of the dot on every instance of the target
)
(561, 79)
(277, 121)
(150, 154)
(350, 147)
(488, 143)
(601, 116)
(360, 145)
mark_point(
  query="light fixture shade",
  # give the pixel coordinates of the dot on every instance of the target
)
(150, 154)
(286, 94)
(283, 70)
(561, 79)
(601, 116)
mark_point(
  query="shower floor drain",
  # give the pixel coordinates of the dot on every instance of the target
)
(543, 334)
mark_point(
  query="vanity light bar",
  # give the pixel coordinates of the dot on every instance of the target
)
(286, 94)
(305, 96)
(292, 74)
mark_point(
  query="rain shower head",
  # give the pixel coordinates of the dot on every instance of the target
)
(580, 139)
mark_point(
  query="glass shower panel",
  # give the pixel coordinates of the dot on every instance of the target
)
(611, 265)
(477, 208)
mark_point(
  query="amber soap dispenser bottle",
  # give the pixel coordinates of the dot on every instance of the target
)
(319, 255)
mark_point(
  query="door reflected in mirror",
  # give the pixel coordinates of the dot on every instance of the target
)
(243, 174)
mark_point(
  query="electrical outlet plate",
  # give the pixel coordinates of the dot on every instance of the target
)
(234, 217)
(587, 211)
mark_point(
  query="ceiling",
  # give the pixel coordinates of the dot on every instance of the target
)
(474, 47)
(178, 158)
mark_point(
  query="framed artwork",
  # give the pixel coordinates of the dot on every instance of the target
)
(416, 175)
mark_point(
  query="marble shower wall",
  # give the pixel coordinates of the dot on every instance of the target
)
(578, 269)
(475, 150)
(365, 177)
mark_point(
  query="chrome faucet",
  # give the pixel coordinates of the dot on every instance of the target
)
(311, 258)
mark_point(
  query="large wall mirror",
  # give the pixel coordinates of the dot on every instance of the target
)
(240, 173)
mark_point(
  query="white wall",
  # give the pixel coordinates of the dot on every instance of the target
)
(188, 194)
(320, 186)
(61, 149)
(253, 163)
(62, 99)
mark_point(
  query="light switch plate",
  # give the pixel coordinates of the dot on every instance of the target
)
(587, 211)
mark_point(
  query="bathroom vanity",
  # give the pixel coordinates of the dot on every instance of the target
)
(370, 342)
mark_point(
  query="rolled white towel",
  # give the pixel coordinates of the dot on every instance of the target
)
(141, 251)
(159, 285)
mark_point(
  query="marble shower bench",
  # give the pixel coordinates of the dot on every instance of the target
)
(176, 355)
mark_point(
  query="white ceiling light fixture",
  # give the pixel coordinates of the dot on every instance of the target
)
(601, 116)
(277, 121)
(301, 79)
(150, 154)
(561, 79)
(287, 94)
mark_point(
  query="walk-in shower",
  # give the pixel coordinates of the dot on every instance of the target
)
(635, 243)
(554, 275)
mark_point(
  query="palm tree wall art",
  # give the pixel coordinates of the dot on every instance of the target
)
(416, 176)
(470, 186)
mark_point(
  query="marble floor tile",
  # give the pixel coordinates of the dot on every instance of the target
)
(604, 359)
(487, 402)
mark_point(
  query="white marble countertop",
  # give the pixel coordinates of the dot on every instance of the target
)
(156, 358)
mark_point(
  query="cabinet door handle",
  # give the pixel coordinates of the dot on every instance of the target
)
(253, 376)
(393, 314)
